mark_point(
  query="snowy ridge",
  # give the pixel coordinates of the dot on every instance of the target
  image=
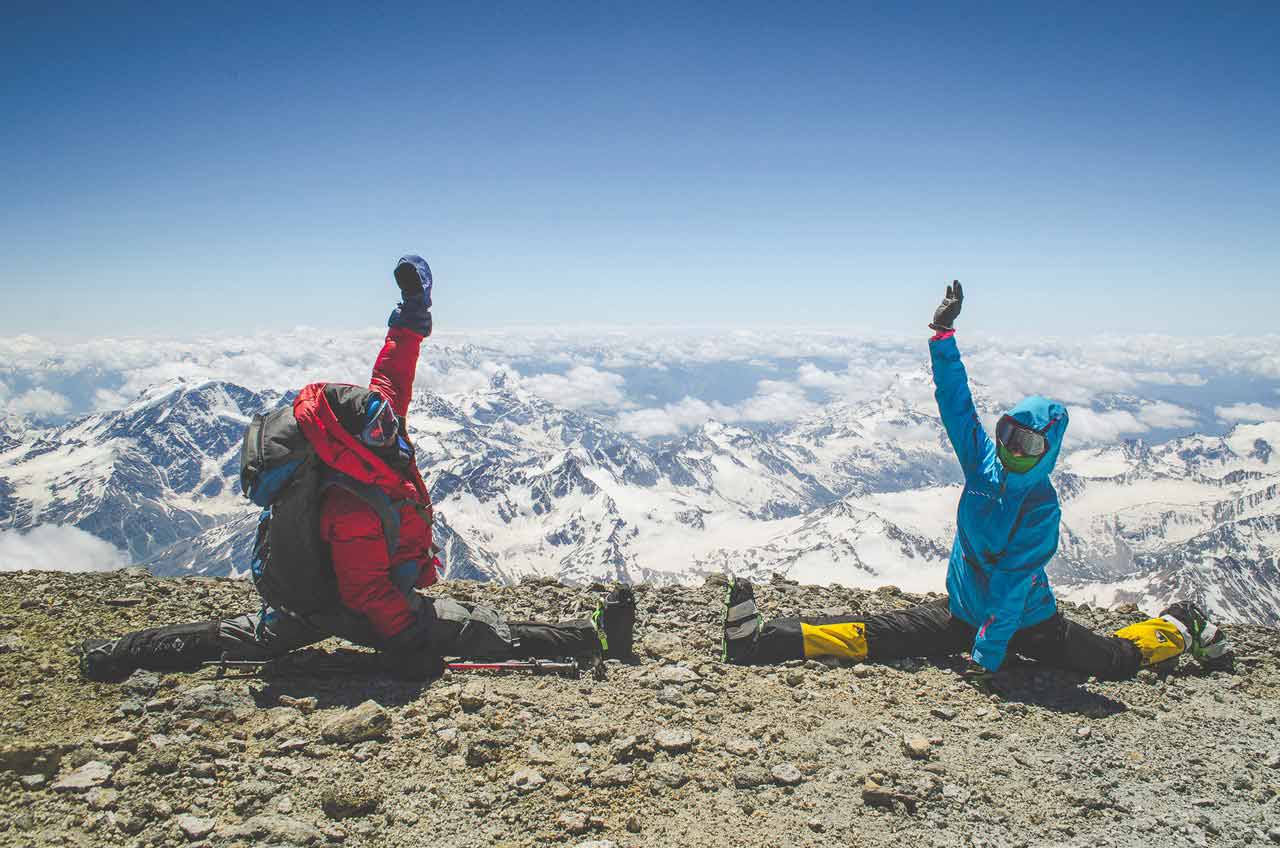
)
(856, 493)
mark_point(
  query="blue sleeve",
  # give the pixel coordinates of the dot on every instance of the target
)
(1011, 581)
(969, 440)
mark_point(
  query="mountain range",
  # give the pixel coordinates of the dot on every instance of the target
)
(858, 493)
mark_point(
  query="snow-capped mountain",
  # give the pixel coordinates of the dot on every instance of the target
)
(859, 493)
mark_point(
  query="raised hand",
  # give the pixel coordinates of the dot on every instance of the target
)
(946, 313)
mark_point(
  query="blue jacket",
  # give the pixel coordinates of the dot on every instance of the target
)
(1006, 524)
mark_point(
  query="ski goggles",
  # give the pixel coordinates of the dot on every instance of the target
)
(383, 427)
(1021, 440)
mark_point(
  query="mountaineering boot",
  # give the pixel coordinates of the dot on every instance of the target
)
(615, 622)
(178, 647)
(1206, 642)
(742, 621)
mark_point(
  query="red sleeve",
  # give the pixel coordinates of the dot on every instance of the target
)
(361, 564)
(395, 367)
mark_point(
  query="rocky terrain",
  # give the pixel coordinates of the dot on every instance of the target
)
(677, 749)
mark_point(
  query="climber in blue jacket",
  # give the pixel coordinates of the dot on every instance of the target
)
(999, 599)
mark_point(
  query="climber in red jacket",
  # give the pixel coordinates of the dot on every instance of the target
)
(360, 434)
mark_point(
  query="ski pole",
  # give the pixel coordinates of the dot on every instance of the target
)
(565, 668)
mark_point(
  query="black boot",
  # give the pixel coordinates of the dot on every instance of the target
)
(1207, 643)
(178, 647)
(615, 621)
(742, 622)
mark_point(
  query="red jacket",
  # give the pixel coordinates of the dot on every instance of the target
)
(349, 525)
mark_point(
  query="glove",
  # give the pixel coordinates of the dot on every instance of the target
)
(413, 276)
(946, 314)
(412, 315)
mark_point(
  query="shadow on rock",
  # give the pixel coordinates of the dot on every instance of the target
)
(342, 678)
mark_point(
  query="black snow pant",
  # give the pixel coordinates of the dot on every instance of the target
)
(454, 630)
(931, 630)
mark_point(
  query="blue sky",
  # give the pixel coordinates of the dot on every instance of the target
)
(177, 172)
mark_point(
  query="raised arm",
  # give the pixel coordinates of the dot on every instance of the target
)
(410, 323)
(969, 440)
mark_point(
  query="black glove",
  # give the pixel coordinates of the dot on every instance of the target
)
(413, 276)
(946, 314)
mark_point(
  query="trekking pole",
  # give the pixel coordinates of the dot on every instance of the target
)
(222, 664)
(564, 668)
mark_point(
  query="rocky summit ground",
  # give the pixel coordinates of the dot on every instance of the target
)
(677, 749)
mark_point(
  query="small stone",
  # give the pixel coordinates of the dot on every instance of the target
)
(89, 775)
(944, 713)
(367, 721)
(917, 748)
(210, 702)
(633, 824)
(861, 670)
(1147, 676)
(816, 825)
(669, 774)
(33, 781)
(673, 741)
(483, 750)
(194, 828)
(1083, 732)
(794, 677)
(742, 747)
(122, 602)
(116, 740)
(750, 778)
(676, 675)
(278, 828)
(786, 775)
(574, 823)
(526, 780)
(1274, 834)
(612, 776)
(347, 800)
(102, 798)
(473, 696)
(303, 705)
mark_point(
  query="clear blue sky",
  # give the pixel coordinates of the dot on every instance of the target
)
(168, 170)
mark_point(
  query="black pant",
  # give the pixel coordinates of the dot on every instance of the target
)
(454, 630)
(931, 630)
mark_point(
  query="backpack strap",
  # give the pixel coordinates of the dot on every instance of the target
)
(379, 501)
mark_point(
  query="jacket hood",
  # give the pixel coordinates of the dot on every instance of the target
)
(1046, 416)
(326, 412)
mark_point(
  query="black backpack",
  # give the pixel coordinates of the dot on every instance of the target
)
(281, 472)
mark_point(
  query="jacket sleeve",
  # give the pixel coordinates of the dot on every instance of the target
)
(1011, 580)
(395, 367)
(361, 564)
(969, 440)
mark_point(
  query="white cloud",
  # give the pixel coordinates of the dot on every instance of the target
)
(57, 547)
(774, 401)
(1247, 412)
(582, 386)
(672, 418)
(1163, 415)
(1091, 427)
(40, 402)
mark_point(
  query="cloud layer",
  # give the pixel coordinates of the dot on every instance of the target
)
(663, 383)
(53, 547)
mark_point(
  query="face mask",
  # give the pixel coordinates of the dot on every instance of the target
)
(1016, 464)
